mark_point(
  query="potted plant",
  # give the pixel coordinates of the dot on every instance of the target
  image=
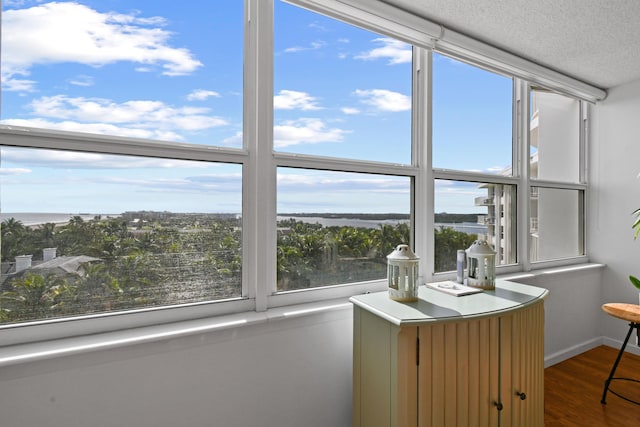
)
(636, 226)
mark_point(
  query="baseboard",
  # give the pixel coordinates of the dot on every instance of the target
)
(632, 346)
(568, 353)
(575, 350)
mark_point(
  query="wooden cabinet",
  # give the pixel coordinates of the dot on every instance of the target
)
(475, 360)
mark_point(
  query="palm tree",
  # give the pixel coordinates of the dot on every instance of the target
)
(11, 234)
(36, 297)
(47, 234)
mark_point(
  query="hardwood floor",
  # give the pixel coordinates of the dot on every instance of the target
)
(573, 390)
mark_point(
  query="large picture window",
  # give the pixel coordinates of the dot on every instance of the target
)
(163, 162)
(86, 233)
(115, 203)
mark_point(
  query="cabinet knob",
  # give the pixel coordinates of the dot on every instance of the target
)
(522, 395)
(498, 405)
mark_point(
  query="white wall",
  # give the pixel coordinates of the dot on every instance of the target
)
(290, 372)
(614, 164)
(572, 311)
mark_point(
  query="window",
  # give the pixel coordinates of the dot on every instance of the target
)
(341, 92)
(181, 162)
(142, 232)
(474, 211)
(472, 118)
(556, 225)
(554, 136)
(556, 207)
(365, 217)
(114, 203)
(472, 138)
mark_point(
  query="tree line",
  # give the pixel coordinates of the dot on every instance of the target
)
(143, 259)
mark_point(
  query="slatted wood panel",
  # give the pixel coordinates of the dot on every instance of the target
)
(467, 368)
(458, 374)
(522, 354)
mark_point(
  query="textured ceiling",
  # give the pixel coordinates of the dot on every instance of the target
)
(596, 41)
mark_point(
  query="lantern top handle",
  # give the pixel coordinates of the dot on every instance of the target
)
(402, 253)
(480, 247)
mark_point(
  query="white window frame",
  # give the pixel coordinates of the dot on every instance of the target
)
(260, 162)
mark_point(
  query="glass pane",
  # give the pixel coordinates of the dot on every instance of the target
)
(469, 211)
(556, 227)
(472, 118)
(147, 69)
(86, 233)
(340, 91)
(554, 137)
(338, 227)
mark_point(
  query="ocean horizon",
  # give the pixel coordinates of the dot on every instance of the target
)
(37, 218)
(32, 219)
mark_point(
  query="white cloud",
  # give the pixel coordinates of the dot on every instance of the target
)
(137, 118)
(291, 99)
(305, 131)
(384, 100)
(97, 128)
(77, 160)
(202, 94)
(82, 80)
(395, 51)
(350, 110)
(70, 32)
(13, 171)
(142, 112)
(312, 46)
(233, 141)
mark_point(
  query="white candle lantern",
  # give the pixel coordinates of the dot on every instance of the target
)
(402, 274)
(481, 265)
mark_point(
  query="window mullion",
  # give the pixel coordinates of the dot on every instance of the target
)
(523, 165)
(259, 209)
(423, 187)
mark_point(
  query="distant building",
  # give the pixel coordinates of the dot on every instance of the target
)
(554, 227)
(50, 264)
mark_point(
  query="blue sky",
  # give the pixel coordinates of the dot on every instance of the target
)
(160, 70)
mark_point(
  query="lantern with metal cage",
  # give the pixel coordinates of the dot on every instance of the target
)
(402, 274)
(481, 265)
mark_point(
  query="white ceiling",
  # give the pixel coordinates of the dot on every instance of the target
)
(596, 41)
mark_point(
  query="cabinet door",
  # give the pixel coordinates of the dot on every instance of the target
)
(522, 367)
(458, 374)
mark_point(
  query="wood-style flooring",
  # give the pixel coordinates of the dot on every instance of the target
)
(573, 390)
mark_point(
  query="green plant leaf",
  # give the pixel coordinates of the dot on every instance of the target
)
(636, 223)
(635, 282)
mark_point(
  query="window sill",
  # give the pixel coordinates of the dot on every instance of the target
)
(545, 272)
(43, 350)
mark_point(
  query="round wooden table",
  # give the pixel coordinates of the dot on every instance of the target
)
(630, 313)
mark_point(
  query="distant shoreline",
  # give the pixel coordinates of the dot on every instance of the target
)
(460, 222)
(33, 219)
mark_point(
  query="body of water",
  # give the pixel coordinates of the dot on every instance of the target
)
(36, 218)
(343, 222)
(464, 227)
